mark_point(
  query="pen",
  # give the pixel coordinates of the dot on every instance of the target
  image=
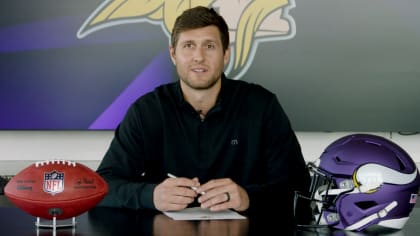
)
(192, 187)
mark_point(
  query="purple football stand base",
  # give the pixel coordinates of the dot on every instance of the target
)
(54, 224)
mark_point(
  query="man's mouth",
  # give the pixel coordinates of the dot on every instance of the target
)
(199, 70)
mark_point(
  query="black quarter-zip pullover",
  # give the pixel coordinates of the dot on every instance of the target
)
(246, 136)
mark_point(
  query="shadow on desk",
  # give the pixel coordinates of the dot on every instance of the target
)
(125, 222)
(122, 222)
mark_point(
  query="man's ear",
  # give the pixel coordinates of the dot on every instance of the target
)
(172, 54)
(226, 57)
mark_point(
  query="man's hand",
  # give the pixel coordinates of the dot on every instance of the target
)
(221, 194)
(175, 194)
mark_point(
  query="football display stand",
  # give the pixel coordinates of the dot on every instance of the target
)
(54, 224)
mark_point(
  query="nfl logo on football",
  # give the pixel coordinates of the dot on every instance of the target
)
(53, 182)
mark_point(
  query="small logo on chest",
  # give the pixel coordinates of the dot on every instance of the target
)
(234, 142)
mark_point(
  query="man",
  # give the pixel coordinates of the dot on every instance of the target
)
(229, 142)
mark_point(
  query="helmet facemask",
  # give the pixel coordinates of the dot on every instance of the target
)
(323, 194)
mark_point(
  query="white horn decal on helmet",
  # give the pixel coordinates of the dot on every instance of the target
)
(371, 176)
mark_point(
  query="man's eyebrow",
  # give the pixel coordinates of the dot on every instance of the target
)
(194, 41)
(187, 41)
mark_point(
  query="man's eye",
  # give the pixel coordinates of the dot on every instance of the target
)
(188, 45)
(210, 46)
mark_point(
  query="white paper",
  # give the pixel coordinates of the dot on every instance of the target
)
(197, 213)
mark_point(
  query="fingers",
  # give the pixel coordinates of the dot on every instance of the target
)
(174, 193)
(223, 194)
(218, 203)
(219, 194)
(184, 182)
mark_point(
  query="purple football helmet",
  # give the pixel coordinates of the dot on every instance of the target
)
(362, 180)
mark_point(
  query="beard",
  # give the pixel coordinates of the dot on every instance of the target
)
(200, 83)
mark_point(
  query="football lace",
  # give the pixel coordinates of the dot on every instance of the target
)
(48, 162)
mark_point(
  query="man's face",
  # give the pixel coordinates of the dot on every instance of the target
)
(199, 57)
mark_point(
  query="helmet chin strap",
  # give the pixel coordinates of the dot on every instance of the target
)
(380, 214)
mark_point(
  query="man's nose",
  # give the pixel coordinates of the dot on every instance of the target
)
(198, 55)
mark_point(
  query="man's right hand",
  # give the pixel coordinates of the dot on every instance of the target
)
(175, 194)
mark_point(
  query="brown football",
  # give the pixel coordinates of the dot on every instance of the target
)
(56, 188)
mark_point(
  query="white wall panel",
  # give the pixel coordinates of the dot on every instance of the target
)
(20, 148)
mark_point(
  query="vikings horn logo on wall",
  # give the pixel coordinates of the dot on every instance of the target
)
(250, 22)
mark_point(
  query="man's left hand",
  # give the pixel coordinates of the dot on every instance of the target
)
(222, 194)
